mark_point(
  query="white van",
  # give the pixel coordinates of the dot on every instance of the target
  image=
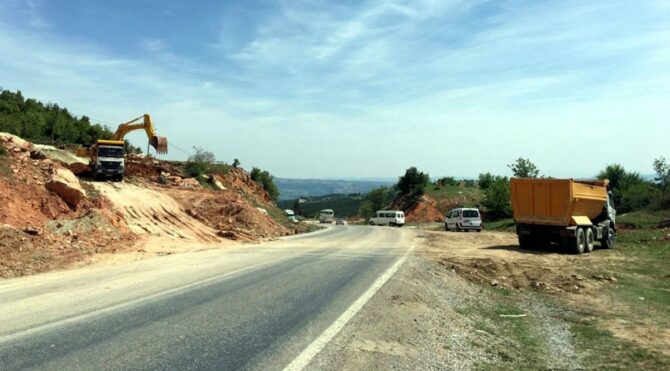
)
(463, 219)
(326, 216)
(393, 218)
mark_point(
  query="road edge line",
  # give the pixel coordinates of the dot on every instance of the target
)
(314, 348)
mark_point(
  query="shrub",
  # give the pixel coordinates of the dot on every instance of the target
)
(236, 163)
(266, 180)
(485, 180)
(199, 163)
(497, 199)
(374, 200)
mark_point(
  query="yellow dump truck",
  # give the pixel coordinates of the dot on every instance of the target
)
(570, 212)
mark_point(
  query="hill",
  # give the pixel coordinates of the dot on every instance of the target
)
(345, 206)
(294, 188)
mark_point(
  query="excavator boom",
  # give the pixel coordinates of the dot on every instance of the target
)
(159, 143)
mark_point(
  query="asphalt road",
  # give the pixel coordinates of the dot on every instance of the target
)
(242, 307)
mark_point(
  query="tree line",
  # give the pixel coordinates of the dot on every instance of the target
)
(629, 189)
(46, 123)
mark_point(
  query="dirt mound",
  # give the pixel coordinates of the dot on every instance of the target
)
(151, 169)
(425, 210)
(230, 213)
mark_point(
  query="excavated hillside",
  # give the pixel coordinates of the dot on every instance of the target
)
(51, 218)
(423, 210)
(47, 218)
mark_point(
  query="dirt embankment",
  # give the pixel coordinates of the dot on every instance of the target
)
(424, 210)
(237, 207)
(47, 218)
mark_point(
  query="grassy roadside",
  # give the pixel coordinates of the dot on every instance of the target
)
(624, 323)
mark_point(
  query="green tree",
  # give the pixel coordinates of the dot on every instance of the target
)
(236, 163)
(413, 183)
(662, 170)
(199, 162)
(373, 201)
(266, 180)
(524, 168)
(485, 180)
(497, 199)
(629, 189)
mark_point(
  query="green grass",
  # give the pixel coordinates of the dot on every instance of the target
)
(219, 168)
(644, 219)
(506, 225)
(461, 195)
(604, 351)
(205, 183)
(640, 299)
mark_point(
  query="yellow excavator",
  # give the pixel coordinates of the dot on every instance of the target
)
(107, 154)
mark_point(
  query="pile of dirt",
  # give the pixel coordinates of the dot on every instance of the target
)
(151, 169)
(230, 213)
(425, 210)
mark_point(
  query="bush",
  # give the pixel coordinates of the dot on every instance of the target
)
(413, 183)
(629, 190)
(266, 180)
(3, 151)
(236, 163)
(199, 163)
(446, 181)
(497, 199)
(485, 180)
(374, 200)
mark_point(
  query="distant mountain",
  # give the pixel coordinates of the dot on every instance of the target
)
(294, 188)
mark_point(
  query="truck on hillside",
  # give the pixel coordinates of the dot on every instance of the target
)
(572, 213)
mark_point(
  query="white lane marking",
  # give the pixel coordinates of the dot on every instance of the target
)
(8, 338)
(306, 356)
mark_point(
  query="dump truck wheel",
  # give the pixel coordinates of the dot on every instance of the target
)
(525, 242)
(579, 241)
(588, 245)
(608, 241)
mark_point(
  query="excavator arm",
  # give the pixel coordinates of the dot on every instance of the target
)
(159, 143)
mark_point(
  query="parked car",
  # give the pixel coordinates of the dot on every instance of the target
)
(393, 218)
(340, 221)
(463, 219)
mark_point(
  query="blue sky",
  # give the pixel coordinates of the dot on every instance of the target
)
(316, 89)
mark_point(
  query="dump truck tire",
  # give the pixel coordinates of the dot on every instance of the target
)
(608, 241)
(579, 241)
(589, 240)
(525, 242)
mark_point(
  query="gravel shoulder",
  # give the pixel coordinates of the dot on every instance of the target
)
(472, 301)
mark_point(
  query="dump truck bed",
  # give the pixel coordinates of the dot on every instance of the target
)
(557, 202)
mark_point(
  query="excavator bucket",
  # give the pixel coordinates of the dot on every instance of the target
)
(160, 144)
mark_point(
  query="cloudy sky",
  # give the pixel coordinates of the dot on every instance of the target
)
(315, 89)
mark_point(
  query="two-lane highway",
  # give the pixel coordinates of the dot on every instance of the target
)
(250, 306)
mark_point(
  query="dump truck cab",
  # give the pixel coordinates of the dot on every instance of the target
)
(107, 159)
